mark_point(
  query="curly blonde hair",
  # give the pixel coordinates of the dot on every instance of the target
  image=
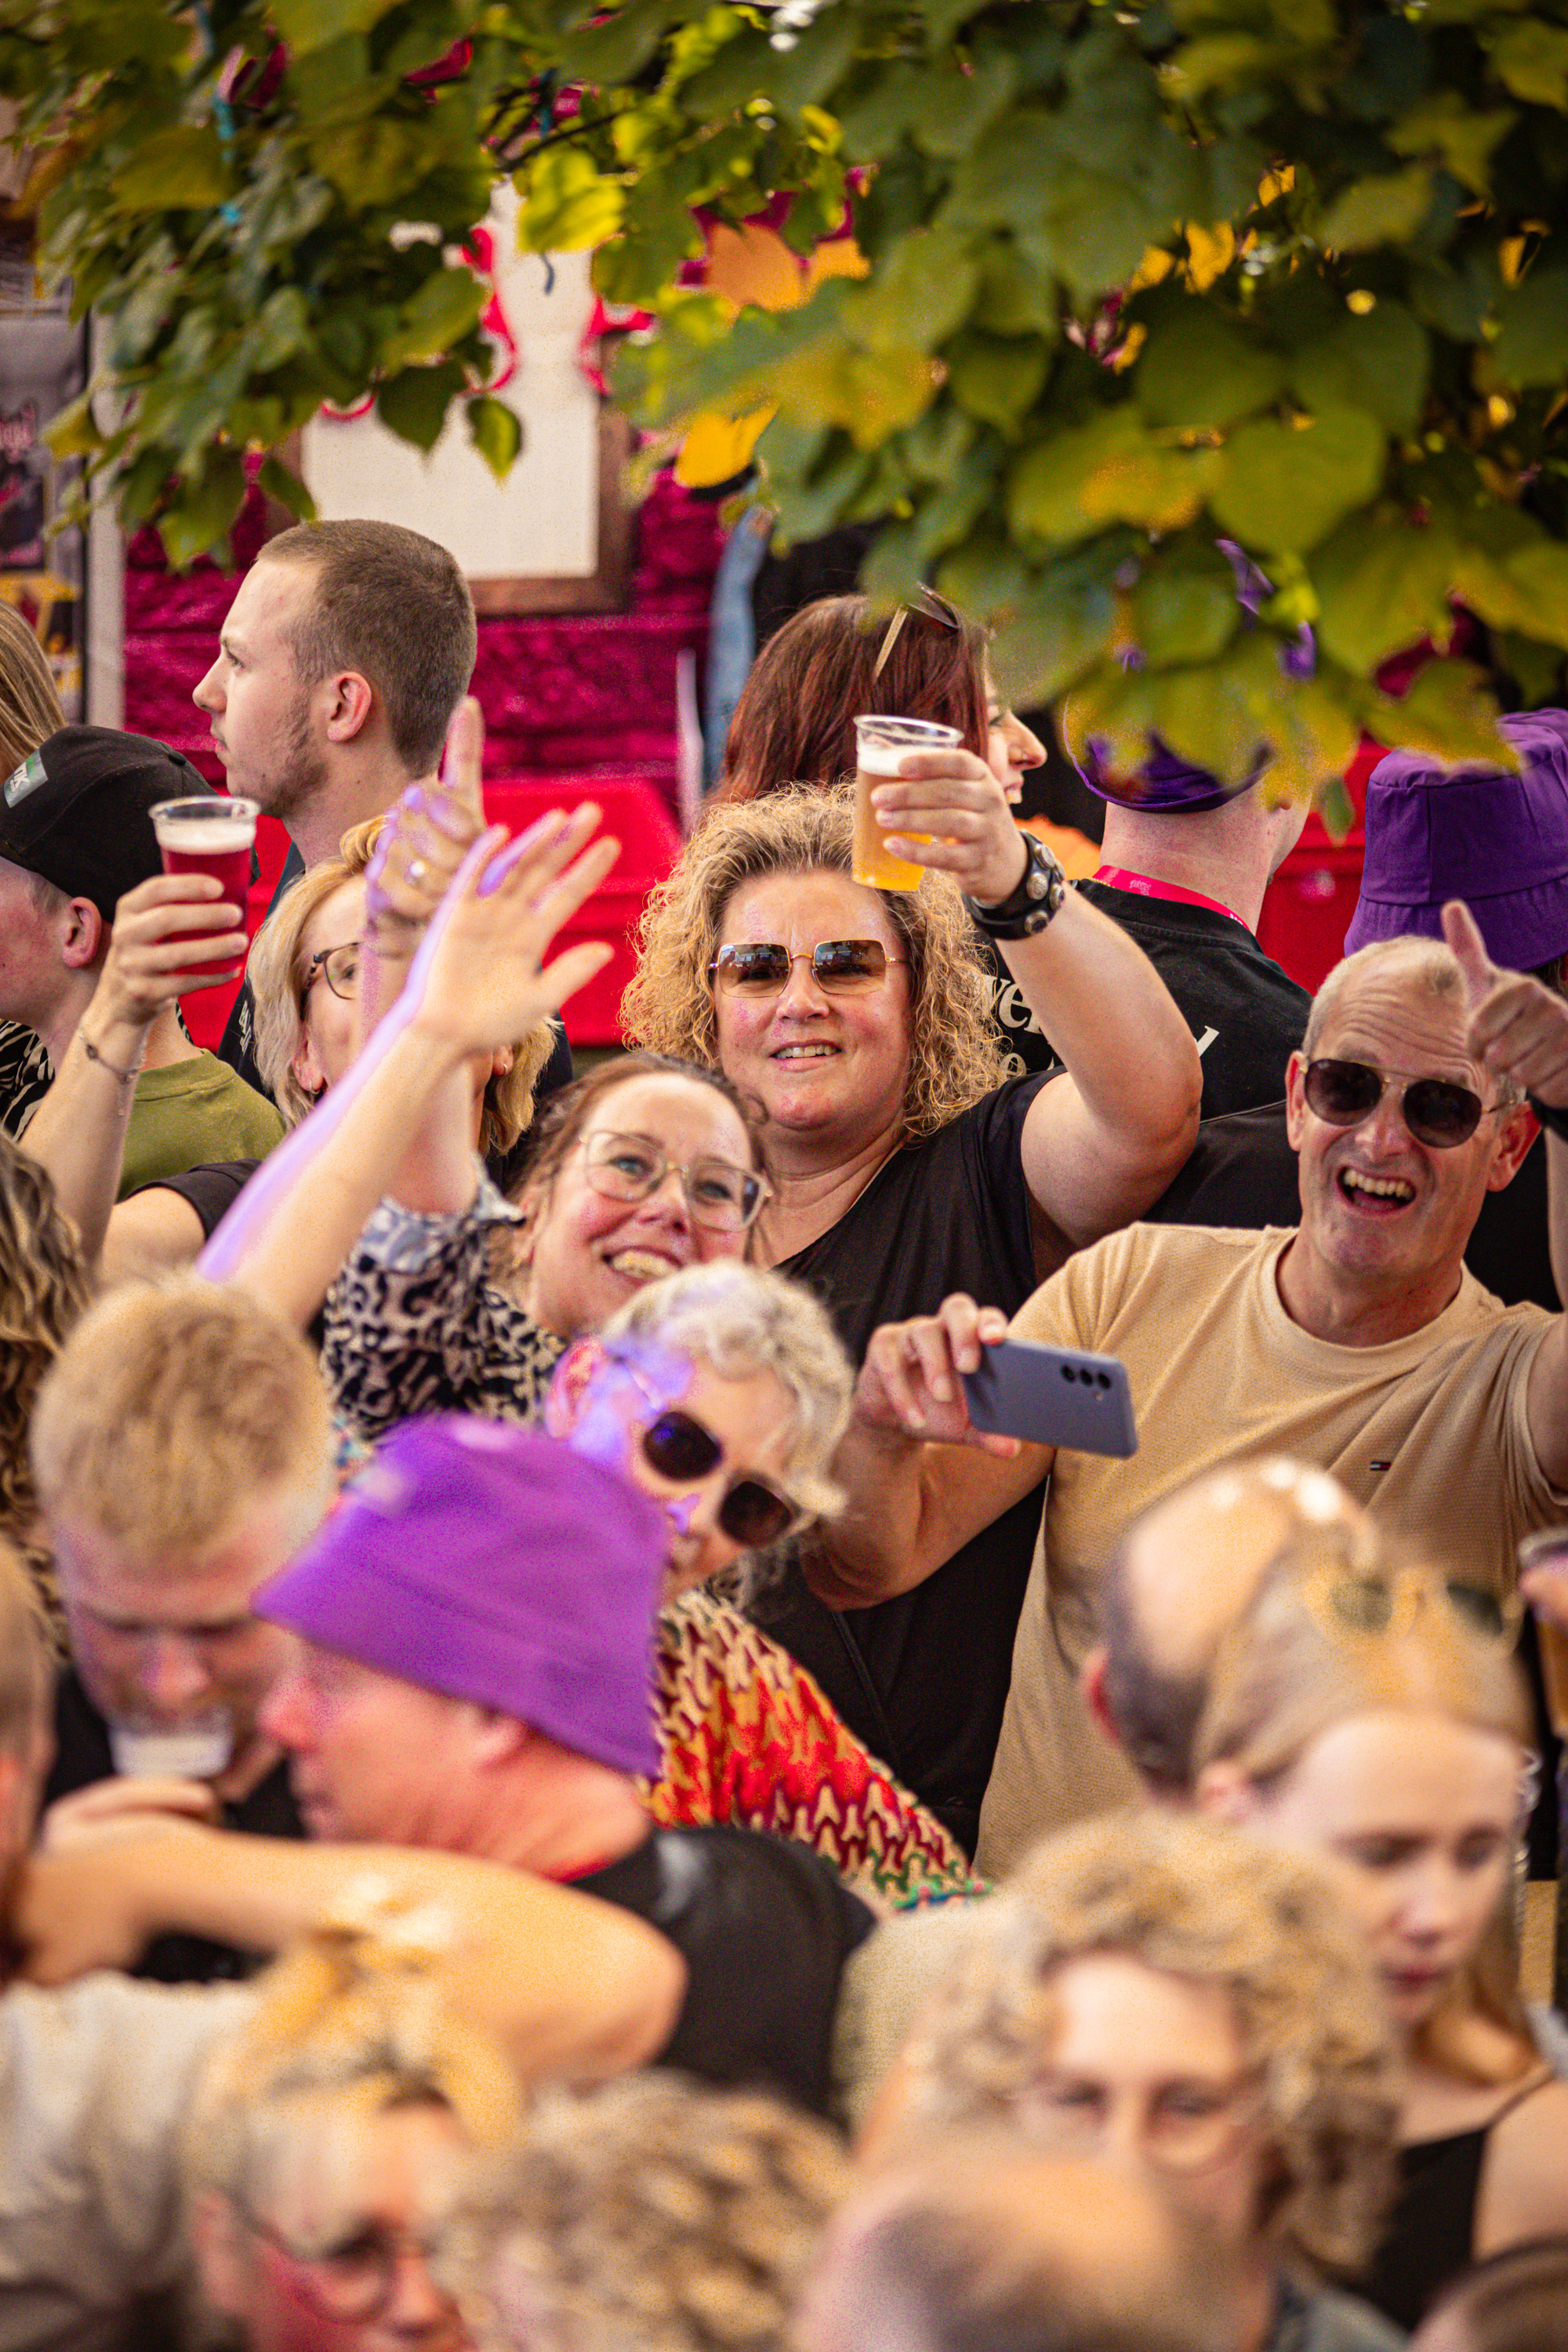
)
(43, 1292)
(277, 970)
(1179, 1894)
(955, 1055)
(654, 2212)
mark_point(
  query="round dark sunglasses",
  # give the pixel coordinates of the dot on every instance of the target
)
(678, 1446)
(1437, 1111)
(763, 967)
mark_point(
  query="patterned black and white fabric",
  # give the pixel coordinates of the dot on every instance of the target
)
(415, 1325)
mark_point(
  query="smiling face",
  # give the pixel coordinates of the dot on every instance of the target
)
(265, 727)
(346, 2227)
(1377, 1207)
(588, 1253)
(1147, 2071)
(1419, 1813)
(830, 1071)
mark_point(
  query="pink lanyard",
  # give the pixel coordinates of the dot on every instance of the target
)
(1145, 886)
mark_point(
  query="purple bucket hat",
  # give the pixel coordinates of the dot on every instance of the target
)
(479, 1559)
(1499, 841)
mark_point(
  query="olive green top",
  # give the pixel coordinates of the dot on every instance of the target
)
(189, 1112)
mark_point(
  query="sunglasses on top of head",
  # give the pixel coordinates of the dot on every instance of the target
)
(1438, 1111)
(678, 1446)
(763, 967)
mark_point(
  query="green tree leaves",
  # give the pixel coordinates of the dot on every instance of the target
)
(1292, 272)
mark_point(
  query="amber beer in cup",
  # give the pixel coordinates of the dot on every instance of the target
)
(213, 833)
(879, 745)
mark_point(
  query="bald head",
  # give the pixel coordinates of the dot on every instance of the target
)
(986, 2245)
(1181, 1577)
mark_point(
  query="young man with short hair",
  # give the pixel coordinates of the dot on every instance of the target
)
(182, 1450)
(78, 853)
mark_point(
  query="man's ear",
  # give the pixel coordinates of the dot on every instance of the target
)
(1516, 1131)
(569, 1388)
(347, 702)
(84, 937)
(215, 2231)
(1092, 1682)
(1296, 1099)
(1224, 1792)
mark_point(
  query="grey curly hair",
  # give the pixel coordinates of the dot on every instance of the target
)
(955, 1055)
(1186, 1896)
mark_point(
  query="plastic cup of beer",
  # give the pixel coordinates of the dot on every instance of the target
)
(879, 746)
(1551, 1544)
(198, 1749)
(213, 833)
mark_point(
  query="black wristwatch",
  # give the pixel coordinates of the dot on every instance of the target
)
(1554, 1122)
(1030, 906)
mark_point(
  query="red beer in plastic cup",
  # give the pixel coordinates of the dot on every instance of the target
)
(214, 834)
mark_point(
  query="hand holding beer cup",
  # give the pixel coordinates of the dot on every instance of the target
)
(938, 810)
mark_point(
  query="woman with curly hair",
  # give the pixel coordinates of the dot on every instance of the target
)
(1171, 1996)
(43, 1290)
(904, 1166)
(1378, 1719)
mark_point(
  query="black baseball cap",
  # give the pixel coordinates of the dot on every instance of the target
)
(76, 811)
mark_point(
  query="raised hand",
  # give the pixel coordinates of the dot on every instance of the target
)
(480, 981)
(912, 1378)
(172, 934)
(427, 832)
(1516, 1027)
(947, 811)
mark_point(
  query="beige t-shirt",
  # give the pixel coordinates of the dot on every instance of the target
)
(1429, 1432)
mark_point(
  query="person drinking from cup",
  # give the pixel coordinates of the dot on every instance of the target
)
(98, 945)
(903, 1163)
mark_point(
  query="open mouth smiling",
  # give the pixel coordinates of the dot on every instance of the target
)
(1375, 1195)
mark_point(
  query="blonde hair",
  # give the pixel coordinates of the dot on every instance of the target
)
(352, 2020)
(27, 1656)
(278, 970)
(174, 1406)
(43, 1291)
(653, 2213)
(1181, 1895)
(955, 1055)
(744, 1320)
(30, 708)
(1297, 1662)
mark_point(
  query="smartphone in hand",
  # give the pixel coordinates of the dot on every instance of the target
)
(1053, 1396)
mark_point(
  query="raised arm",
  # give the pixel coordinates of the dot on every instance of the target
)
(921, 1480)
(1102, 1145)
(78, 1132)
(572, 1985)
(476, 982)
(1519, 1029)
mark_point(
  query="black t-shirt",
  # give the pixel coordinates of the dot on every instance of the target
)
(923, 1679)
(765, 1927)
(82, 1757)
(1247, 1014)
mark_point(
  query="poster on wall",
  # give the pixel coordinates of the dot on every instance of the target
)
(42, 563)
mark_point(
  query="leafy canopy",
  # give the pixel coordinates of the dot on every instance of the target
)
(1292, 273)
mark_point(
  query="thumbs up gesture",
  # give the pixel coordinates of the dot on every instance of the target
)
(1516, 1027)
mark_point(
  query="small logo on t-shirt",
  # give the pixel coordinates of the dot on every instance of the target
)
(1379, 1465)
